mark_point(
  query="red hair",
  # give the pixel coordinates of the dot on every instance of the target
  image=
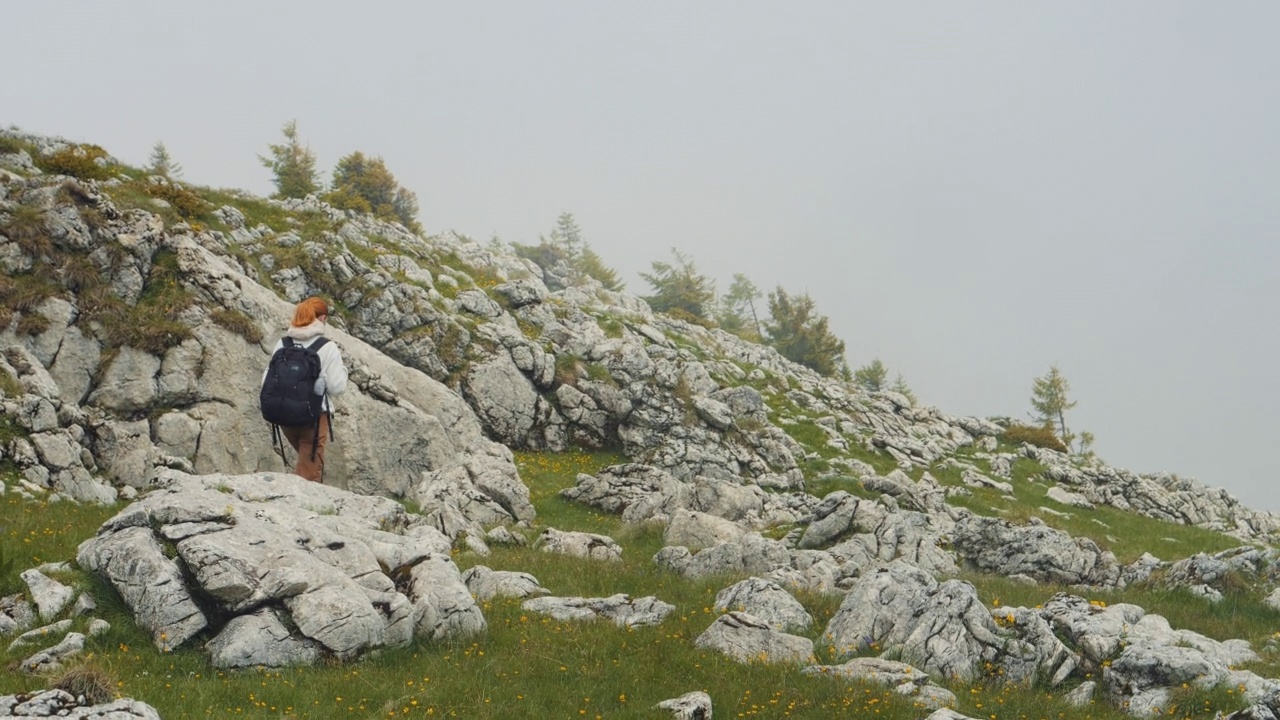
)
(308, 310)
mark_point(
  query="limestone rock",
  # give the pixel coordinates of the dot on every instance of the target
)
(694, 705)
(767, 601)
(579, 544)
(696, 530)
(1038, 551)
(748, 639)
(61, 704)
(487, 584)
(621, 609)
(50, 596)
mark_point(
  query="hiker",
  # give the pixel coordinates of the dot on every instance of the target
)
(305, 371)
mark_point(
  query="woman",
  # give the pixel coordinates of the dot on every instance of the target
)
(307, 330)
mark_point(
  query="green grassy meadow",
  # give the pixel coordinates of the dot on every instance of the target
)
(531, 666)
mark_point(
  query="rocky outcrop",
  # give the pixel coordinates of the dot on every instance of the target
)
(748, 639)
(767, 601)
(1036, 551)
(62, 704)
(621, 609)
(300, 571)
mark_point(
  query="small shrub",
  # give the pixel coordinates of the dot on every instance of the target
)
(10, 146)
(95, 685)
(1043, 437)
(79, 161)
(238, 323)
(152, 325)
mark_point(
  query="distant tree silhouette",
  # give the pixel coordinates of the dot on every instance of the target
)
(872, 376)
(292, 166)
(364, 184)
(801, 335)
(1050, 403)
(566, 249)
(679, 289)
(161, 163)
(737, 309)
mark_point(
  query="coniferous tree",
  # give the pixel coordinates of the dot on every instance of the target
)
(292, 165)
(1050, 402)
(737, 310)
(872, 376)
(161, 163)
(900, 386)
(803, 336)
(567, 249)
(364, 184)
(679, 289)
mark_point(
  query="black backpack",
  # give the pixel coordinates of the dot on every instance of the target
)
(287, 397)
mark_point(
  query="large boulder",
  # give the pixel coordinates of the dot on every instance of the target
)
(300, 571)
(1037, 551)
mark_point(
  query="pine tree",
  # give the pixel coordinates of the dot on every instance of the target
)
(161, 163)
(292, 166)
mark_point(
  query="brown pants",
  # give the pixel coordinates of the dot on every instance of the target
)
(302, 438)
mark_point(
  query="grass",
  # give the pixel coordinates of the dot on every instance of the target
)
(152, 324)
(531, 666)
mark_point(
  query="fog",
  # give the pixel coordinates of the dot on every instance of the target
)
(971, 192)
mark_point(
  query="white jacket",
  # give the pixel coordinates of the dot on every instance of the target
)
(331, 365)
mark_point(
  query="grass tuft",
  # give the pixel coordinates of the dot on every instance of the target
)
(238, 323)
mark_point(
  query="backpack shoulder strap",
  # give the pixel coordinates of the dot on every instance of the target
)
(320, 341)
(286, 341)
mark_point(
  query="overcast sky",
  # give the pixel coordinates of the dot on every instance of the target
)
(971, 192)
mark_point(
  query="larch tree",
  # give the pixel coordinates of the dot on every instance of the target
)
(292, 165)
(162, 163)
(872, 376)
(1050, 402)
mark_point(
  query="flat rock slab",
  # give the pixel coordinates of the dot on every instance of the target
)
(579, 544)
(620, 608)
(61, 704)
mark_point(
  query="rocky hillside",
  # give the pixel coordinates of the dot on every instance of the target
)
(137, 317)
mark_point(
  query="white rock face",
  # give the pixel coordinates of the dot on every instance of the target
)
(749, 639)
(579, 544)
(767, 601)
(303, 569)
(694, 705)
(61, 704)
(487, 584)
(50, 596)
(620, 608)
